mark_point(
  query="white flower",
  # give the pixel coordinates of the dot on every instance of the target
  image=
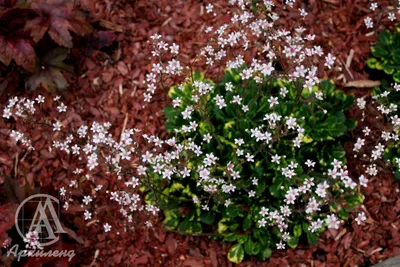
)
(276, 159)
(368, 23)
(283, 92)
(176, 102)
(229, 86)
(319, 96)
(87, 215)
(280, 245)
(303, 13)
(62, 191)
(249, 158)
(321, 189)
(174, 49)
(329, 61)
(366, 131)
(107, 227)
(207, 138)
(333, 222)
(219, 101)
(373, 6)
(363, 181)
(262, 222)
(264, 211)
(361, 103)
(273, 101)
(7, 113)
(252, 193)
(392, 16)
(236, 99)
(87, 199)
(310, 163)
(360, 218)
(40, 99)
(239, 141)
(209, 8)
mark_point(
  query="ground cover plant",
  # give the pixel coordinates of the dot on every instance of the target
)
(116, 168)
(261, 169)
(386, 98)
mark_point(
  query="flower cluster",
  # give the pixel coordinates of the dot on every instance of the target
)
(32, 240)
(384, 142)
(95, 152)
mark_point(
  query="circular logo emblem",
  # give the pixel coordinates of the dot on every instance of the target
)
(40, 213)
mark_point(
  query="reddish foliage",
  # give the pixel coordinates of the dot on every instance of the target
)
(7, 219)
(57, 18)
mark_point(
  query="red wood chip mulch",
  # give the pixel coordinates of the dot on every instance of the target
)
(108, 87)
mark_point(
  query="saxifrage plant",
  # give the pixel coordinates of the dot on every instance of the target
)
(386, 97)
(255, 160)
(386, 54)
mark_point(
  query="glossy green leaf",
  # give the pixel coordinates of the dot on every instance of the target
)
(236, 253)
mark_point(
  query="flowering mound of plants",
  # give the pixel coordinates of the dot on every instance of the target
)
(255, 160)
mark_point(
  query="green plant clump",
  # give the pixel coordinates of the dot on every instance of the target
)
(386, 54)
(257, 161)
(386, 57)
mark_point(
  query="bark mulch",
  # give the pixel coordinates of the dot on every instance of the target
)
(108, 86)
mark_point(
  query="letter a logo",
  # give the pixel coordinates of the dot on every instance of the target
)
(45, 220)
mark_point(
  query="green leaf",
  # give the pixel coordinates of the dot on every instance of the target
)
(247, 222)
(170, 112)
(385, 37)
(265, 253)
(351, 124)
(208, 217)
(397, 175)
(343, 214)
(312, 239)
(379, 51)
(242, 238)
(233, 211)
(293, 241)
(275, 188)
(222, 227)
(171, 220)
(236, 253)
(354, 200)
(396, 77)
(230, 237)
(185, 226)
(372, 62)
(297, 230)
(251, 247)
(388, 69)
(348, 102)
(327, 87)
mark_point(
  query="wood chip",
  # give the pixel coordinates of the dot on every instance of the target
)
(111, 26)
(363, 84)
